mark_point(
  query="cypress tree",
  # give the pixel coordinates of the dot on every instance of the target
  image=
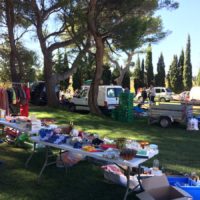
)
(137, 74)
(180, 69)
(142, 73)
(168, 80)
(61, 66)
(126, 80)
(65, 84)
(160, 77)
(106, 75)
(115, 74)
(198, 79)
(187, 70)
(173, 74)
(149, 66)
(77, 79)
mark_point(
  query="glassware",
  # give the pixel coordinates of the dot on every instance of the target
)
(156, 164)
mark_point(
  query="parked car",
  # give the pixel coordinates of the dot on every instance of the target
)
(162, 94)
(183, 96)
(108, 98)
(195, 93)
(38, 93)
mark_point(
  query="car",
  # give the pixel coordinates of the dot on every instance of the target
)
(195, 93)
(183, 96)
(38, 93)
(162, 94)
(108, 98)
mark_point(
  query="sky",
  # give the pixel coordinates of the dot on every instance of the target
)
(180, 22)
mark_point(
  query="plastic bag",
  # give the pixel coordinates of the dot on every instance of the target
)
(192, 124)
(68, 159)
(114, 174)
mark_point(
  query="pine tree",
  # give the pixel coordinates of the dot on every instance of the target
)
(173, 75)
(187, 71)
(160, 77)
(180, 69)
(142, 74)
(149, 66)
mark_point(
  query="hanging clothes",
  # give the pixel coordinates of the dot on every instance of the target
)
(24, 105)
(4, 103)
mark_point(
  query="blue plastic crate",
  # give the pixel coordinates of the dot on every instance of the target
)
(186, 184)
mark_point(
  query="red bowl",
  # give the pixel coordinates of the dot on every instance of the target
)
(107, 146)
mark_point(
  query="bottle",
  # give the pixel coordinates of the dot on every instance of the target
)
(156, 165)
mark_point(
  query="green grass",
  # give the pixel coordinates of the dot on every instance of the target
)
(179, 153)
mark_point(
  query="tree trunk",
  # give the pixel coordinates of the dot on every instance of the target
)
(121, 76)
(13, 51)
(50, 80)
(99, 43)
(94, 88)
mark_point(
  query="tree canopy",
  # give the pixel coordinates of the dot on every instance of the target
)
(85, 28)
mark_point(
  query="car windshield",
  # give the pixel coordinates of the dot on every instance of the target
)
(113, 92)
(169, 90)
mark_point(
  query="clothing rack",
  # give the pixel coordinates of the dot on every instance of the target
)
(14, 97)
(15, 83)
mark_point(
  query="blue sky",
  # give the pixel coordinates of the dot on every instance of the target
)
(183, 21)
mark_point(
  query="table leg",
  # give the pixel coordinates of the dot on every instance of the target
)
(30, 157)
(46, 162)
(139, 178)
(60, 152)
(3, 129)
(127, 174)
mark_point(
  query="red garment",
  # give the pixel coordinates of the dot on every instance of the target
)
(4, 104)
(24, 109)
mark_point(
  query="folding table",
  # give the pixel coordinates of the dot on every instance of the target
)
(134, 163)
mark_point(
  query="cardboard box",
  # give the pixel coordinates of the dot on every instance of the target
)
(158, 188)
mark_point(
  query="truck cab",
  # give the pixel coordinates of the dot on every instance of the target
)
(108, 98)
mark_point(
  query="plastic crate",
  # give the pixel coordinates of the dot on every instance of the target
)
(186, 184)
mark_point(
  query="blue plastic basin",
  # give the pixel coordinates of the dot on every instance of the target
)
(186, 184)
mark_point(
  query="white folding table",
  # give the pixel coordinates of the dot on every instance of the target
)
(134, 163)
(12, 125)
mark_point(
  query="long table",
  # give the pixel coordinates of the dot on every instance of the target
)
(134, 163)
(12, 125)
(17, 127)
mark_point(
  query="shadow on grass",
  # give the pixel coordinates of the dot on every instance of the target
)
(82, 181)
(178, 148)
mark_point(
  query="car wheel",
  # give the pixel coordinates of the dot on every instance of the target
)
(72, 108)
(165, 122)
(162, 99)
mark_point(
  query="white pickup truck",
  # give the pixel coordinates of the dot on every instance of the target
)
(108, 98)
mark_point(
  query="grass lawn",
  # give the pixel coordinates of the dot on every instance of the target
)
(179, 153)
